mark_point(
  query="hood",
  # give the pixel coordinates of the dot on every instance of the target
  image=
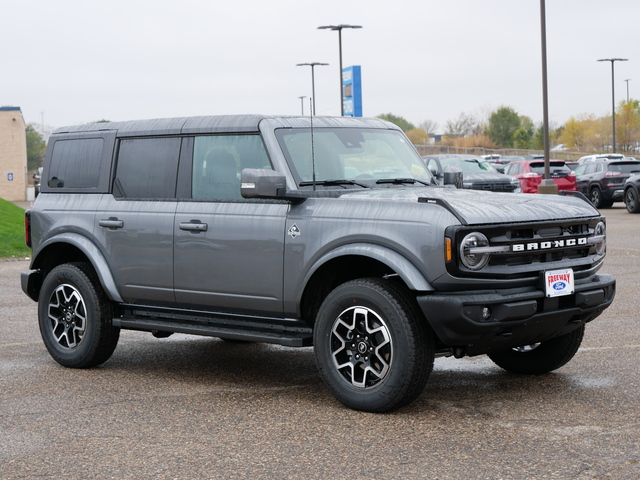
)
(474, 207)
(488, 177)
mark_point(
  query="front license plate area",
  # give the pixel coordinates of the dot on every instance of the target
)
(559, 282)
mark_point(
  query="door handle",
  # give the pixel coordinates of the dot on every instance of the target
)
(111, 222)
(194, 226)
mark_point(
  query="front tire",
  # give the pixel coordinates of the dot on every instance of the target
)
(75, 317)
(542, 357)
(632, 200)
(372, 345)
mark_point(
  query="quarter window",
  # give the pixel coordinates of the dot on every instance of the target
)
(75, 163)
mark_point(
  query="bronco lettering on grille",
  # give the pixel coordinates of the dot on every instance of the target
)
(548, 245)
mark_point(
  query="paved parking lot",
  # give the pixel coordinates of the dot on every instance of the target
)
(192, 407)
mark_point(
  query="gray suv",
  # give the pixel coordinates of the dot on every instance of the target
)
(304, 231)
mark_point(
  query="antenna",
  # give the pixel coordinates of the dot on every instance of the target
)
(313, 155)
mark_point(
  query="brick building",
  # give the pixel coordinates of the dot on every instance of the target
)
(13, 155)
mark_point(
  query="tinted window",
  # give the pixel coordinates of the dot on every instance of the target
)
(625, 167)
(554, 168)
(75, 163)
(147, 168)
(218, 161)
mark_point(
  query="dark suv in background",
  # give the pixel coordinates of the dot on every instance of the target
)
(603, 181)
(477, 173)
(632, 193)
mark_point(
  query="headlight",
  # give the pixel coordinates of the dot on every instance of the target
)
(472, 255)
(600, 235)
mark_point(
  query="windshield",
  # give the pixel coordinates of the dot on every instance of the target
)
(468, 165)
(355, 156)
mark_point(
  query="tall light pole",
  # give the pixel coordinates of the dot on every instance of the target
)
(613, 95)
(302, 103)
(339, 29)
(313, 83)
(627, 80)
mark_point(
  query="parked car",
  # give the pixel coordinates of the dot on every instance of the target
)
(36, 181)
(604, 156)
(531, 172)
(632, 193)
(603, 181)
(572, 165)
(477, 174)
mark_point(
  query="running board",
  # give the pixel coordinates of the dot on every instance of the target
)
(222, 328)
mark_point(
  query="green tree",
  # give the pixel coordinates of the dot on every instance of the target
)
(523, 137)
(405, 125)
(35, 148)
(503, 123)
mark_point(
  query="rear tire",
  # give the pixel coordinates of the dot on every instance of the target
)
(542, 357)
(596, 197)
(373, 347)
(75, 317)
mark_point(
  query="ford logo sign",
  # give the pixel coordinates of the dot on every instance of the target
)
(559, 286)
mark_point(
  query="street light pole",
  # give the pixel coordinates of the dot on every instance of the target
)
(627, 80)
(613, 94)
(313, 83)
(302, 103)
(339, 29)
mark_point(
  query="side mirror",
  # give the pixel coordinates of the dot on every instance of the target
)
(261, 183)
(453, 176)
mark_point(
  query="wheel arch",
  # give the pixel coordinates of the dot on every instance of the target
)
(73, 247)
(349, 262)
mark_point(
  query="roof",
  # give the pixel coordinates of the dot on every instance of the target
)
(219, 124)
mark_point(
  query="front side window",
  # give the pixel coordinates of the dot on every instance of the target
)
(147, 168)
(218, 161)
(350, 154)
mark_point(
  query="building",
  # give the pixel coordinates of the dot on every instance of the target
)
(13, 155)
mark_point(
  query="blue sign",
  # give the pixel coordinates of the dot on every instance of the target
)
(10, 177)
(352, 91)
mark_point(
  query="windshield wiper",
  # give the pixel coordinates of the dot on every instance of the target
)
(334, 182)
(400, 181)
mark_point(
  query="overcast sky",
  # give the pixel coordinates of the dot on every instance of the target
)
(77, 61)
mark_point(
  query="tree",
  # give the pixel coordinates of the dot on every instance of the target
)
(405, 125)
(35, 148)
(462, 126)
(429, 126)
(418, 136)
(523, 137)
(503, 123)
(628, 124)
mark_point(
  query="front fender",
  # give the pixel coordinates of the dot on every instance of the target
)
(409, 273)
(89, 249)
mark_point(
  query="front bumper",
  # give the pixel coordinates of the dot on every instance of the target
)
(475, 323)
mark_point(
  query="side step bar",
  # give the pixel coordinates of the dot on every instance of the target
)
(215, 327)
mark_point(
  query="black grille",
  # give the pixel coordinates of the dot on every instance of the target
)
(528, 249)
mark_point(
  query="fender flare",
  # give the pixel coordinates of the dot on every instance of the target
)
(409, 273)
(91, 251)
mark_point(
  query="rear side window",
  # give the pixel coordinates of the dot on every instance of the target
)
(147, 168)
(75, 163)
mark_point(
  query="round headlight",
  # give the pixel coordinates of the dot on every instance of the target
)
(600, 233)
(472, 255)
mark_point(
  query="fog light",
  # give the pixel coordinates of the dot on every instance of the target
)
(486, 313)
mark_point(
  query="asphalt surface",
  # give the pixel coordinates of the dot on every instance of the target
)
(192, 407)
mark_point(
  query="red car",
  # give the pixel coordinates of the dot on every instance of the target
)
(531, 172)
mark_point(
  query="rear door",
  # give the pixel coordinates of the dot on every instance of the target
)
(228, 250)
(134, 225)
